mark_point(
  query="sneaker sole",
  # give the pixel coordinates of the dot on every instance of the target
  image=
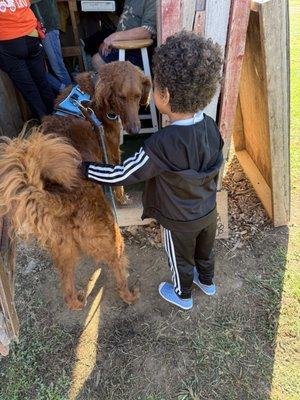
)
(207, 294)
(173, 302)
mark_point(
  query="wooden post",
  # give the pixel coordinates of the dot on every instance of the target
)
(188, 14)
(170, 11)
(73, 51)
(216, 25)
(199, 21)
(9, 323)
(274, 21)
(235, 49)
(11, 120)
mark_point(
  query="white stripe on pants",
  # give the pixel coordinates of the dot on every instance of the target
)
(169, 246)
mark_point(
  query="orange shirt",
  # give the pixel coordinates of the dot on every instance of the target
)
(16, 19)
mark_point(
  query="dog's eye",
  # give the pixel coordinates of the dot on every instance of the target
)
(122, 97)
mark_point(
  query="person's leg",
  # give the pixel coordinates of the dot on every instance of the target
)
(52, 48)
(135, 57)
(180, 248)
(36, 65)
(204, 254)
(56, 85)
(98, 60)
(13, 55)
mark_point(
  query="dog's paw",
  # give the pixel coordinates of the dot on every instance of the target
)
(77, 301)
(130, 296)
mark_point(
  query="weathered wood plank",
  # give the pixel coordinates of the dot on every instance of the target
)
(258, 182)
(171, 18)
(238, 129)
(253, 98)
(188, 14)
(158, 22)
(131, 216)
(237, 31)
(275, 38)
(71, 51)
(9, 323)
(216, 24)
(199, 23)
(10, 115)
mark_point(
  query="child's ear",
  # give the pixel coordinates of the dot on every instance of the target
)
(146, 87)
(166, 96)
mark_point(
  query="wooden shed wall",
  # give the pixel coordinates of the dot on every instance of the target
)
(261, 128)
(253, 101)
(11, 113)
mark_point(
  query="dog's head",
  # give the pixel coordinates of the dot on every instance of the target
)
(121, 88)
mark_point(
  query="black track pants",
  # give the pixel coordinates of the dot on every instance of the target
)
(186, 250)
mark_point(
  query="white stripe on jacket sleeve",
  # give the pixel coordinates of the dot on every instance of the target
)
(119, 172)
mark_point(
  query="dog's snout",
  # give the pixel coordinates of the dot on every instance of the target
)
(134, 129)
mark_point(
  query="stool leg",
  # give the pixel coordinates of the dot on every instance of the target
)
(147, 72)
(121, 55)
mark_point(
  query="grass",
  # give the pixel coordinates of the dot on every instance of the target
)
(26, 374)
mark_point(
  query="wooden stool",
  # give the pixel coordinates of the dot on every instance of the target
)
(142, 44)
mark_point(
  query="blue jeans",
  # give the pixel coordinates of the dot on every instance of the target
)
(52, 48)
(134, 56)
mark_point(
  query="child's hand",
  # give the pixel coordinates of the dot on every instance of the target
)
(83, 167)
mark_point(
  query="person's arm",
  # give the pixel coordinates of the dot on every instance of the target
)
(130, 34)
(137, 168)
(149, 17)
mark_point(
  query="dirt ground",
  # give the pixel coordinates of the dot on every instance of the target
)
(223, 349)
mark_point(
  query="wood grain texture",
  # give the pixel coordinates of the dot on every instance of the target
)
(73, 51)
(188, 8)
(10, 328)
(171, 18)
(253, 97)
(199, 23)
(258, 182)
(131, 216)
(276, 45)
(238, 129)
(216, 24)
(235, 48)
(132, 44)
(11, 120)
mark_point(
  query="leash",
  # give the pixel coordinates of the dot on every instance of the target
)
(90, 116)
(73, 105)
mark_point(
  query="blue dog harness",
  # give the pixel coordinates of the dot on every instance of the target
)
(76, 104)
(71, 104)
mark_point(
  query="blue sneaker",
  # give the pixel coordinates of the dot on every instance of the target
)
(166, 290)
(210, 290)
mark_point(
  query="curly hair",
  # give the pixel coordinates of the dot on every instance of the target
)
(189, 66)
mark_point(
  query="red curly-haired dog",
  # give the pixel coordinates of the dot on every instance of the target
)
(44, 195)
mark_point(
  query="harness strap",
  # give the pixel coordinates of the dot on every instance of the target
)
(90, 116)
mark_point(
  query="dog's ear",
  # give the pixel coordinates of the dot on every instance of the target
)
(85, 82)
(146, 87)
(103, 93)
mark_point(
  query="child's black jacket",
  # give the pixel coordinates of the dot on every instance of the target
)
(180, 165)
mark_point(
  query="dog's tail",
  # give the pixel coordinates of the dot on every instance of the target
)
(27, 165)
